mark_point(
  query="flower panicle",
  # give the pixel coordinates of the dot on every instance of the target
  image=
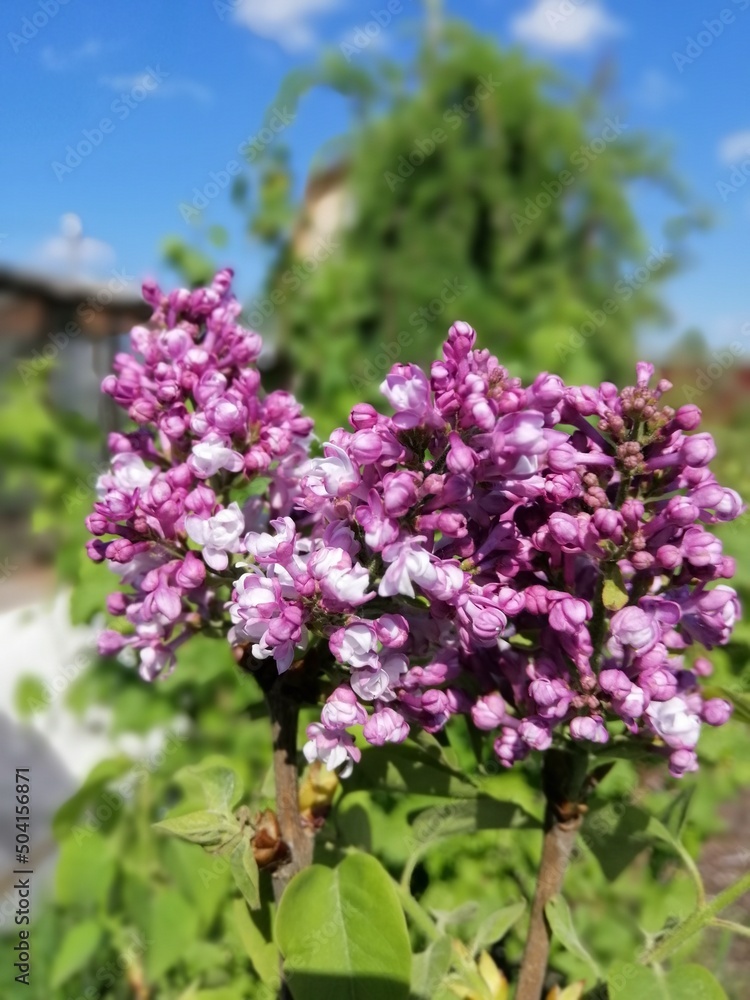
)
(537, 558)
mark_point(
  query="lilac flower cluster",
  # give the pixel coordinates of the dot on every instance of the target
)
(204, 433)
(537, 558)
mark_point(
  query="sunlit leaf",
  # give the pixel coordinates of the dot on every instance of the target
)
(342, 932)
(204, 827)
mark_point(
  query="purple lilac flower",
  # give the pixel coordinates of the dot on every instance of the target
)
(537, 558)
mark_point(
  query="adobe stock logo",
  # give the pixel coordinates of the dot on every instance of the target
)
(363, 35)
(122, 107)
(711, 29)
(581, 159)
(32, 25)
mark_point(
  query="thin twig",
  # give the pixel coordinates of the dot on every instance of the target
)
(283, 711)
(559, 841)
(563, 780)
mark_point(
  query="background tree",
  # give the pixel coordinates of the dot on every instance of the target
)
(472, 175)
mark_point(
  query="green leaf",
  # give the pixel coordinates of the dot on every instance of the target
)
(675, 815)
(237, 988)
(496, 926)
(560, 920)
(85, 869)
(461, 817)
(628, 979)
(615, 836)
(91, 792)
(216, 780)
(616, 839)
(204, 957)
(614, 594)
(625, 750)
(686, 982)
(136, 710)
(408, 769)
(197, 267)
(76, 949)
(204, 827)
(257, 486)
(468, 816)
(263, 954)
(173, 928)
(433, 747)
(245, 873)
(429, 968)
(209, 889)
(659, 831)
(693, 982)
(466, 743)
(343, 934)
(458, 915)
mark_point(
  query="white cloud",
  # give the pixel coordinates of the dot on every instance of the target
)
(57, 61)
(178, 86)
(72, 253)
(566, 25)
(287, 22)
(734, 147)
(656, 91)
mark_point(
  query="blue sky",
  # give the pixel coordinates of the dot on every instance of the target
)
(182, 85)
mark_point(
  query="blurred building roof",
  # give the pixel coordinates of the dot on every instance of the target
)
(33, 305)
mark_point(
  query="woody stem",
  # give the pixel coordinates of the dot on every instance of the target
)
(563, 775)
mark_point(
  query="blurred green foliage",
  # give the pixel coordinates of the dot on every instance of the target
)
(472, 185)
(50, 459)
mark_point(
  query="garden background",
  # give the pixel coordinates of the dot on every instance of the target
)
(568, 177)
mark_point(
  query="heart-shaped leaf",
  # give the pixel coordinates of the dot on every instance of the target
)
(216, 780)
(343, 934)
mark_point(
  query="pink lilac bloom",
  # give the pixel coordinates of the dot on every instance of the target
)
(165, 519)
(489, 517)
(537, 558)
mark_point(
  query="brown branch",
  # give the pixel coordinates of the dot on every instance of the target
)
(284, 715)
(284, 694)
(563, 778)
(559, 841)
